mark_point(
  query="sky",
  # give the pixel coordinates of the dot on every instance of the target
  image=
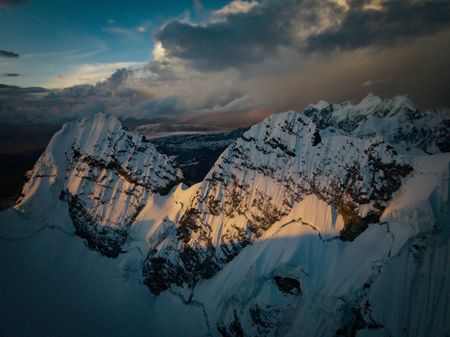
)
(63, 43)
(216, 62)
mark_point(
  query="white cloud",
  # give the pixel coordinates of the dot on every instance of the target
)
(158, 51)
(369, 83)
(89, 74)
(234, 7)
(237, 104)
(374, 5)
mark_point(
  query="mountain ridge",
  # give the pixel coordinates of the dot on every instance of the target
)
(300, 227)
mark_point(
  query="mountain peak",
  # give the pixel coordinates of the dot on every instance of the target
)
(105, 173)
(369, 100)
(320, 105)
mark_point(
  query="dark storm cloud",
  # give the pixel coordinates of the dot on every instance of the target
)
(7, 53)
(396, 20)
(249, 37)
(241, 38)
(12, 2)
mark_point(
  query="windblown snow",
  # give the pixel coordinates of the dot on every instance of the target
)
(330, 222)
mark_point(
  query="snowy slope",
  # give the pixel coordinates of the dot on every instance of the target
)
(331, 222)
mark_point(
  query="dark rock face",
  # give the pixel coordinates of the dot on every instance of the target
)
(317, 139)
(262, 320)
(107, 241)
(288, 285)
(353, 322)
(234, 329)
(194, 265)
(160, 274)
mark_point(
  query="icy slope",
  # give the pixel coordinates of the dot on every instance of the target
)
(105, 173)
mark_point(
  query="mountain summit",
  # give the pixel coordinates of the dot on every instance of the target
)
(105, 173)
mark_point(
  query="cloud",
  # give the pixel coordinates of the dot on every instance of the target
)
(238, 104)
(9, 54)
(11, 75)
(367, 23)
(250, 32)
(74, 55)
(131, 35)
(370, 83)
(162, 107)
(234, 7)
(242, 37)
(88, 74)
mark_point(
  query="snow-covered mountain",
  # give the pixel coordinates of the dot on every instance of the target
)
(330, 222)
(105, 173)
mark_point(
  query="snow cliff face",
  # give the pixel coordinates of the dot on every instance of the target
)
(330, 222)
(106, 175)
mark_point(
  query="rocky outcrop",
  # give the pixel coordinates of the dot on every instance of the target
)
(288, 285)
